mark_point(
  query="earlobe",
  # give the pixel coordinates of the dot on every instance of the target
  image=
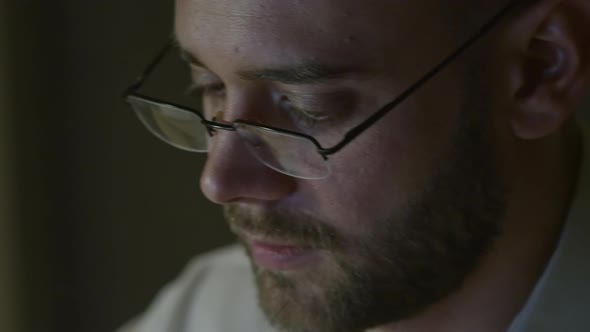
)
(538, 122)
(552, 69)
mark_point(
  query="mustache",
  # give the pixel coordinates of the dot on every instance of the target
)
(277, 224)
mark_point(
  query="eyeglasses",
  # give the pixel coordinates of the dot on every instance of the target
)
(292, 153)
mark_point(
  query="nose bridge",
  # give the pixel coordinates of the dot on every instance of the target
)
(225, 141)
(231, 172)
(248, 101)
(239, 105)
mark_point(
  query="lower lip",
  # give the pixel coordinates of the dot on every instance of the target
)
(283, 258)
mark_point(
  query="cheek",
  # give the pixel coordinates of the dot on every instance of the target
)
(389, 165)
(370, 185)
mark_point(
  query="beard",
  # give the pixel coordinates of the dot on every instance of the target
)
(407, 262)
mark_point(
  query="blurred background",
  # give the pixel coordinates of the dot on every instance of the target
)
(95, 213)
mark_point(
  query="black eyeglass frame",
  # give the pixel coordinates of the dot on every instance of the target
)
(353, 132)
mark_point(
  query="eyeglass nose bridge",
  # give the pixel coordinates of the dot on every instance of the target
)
(214, 124)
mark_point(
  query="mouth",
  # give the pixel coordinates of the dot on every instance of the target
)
(272, 254)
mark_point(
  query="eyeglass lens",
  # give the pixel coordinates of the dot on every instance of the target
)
(289, 154)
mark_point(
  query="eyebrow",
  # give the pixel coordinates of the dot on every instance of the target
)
(307, 72)
(303, 73)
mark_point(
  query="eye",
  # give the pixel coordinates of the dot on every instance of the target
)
(209, 98)
(303, 118)
(291, 107)
(215, 90)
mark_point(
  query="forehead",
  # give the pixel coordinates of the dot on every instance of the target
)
(291, 30)
(313, 14)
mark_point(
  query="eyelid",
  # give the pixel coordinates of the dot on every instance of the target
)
(309, 97)
(202, 90)
(326, 106)
(202, 77)
(338, 98)
(306, 109)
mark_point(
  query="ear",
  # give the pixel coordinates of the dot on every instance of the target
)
(552, 70)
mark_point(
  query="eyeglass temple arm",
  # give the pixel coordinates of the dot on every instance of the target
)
(149, 69)
(354, 132)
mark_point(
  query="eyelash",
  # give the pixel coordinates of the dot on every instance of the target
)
(300, 115)
(217, 89)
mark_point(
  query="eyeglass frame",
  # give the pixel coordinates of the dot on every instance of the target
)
(351, 134)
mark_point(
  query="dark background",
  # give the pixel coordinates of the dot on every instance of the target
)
(95, 213)
(102, 214)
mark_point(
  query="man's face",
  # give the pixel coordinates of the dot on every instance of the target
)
(411, 205)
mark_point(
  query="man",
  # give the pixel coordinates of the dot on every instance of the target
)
(459, 206)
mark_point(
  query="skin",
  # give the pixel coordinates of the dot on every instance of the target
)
(516, 88)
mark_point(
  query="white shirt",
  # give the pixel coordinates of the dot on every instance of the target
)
(217, 293)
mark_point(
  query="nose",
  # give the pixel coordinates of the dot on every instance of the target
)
(232, 174)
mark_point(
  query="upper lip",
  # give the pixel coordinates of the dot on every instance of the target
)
(265, 240)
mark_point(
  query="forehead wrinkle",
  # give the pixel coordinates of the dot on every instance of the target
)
(238, 15)
(232, 26)
(265, 34)
(300, 16)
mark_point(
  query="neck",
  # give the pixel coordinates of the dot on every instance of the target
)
(543, 179)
